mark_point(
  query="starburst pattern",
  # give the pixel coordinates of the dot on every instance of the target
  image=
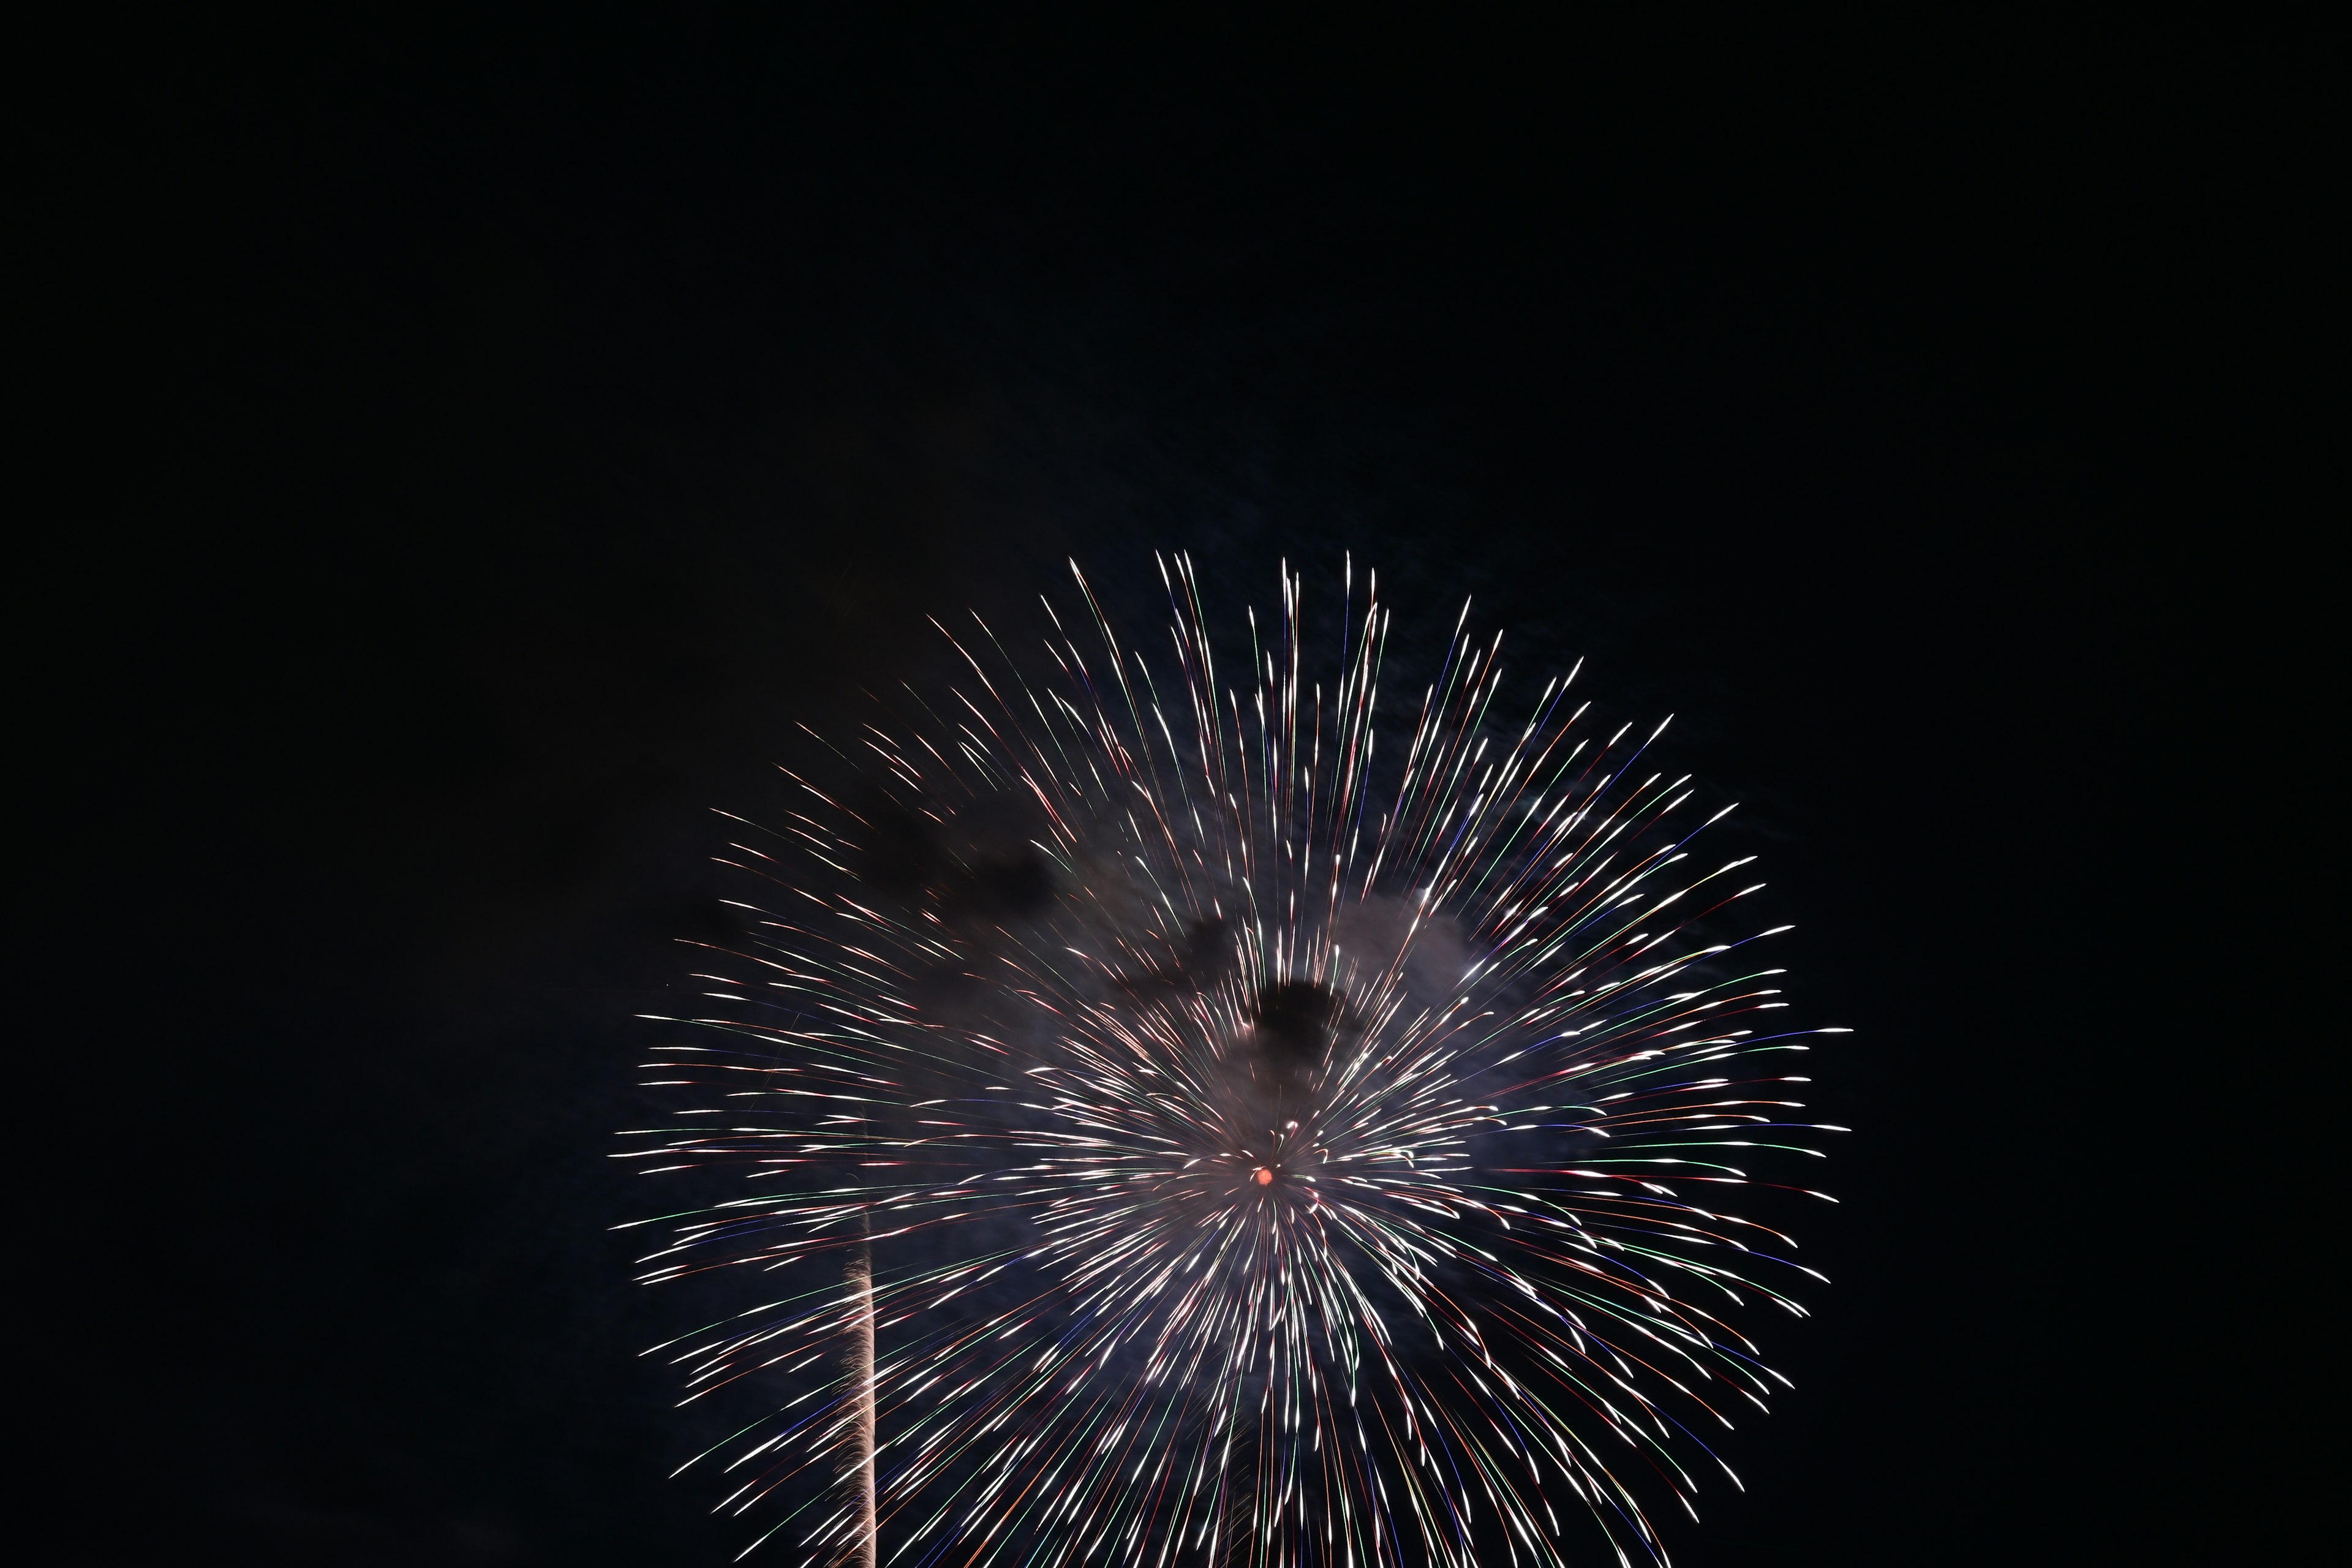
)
(1266, 1153)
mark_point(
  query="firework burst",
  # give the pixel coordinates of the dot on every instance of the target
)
(1176, 1132)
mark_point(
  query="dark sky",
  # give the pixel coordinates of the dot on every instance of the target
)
(561, 408)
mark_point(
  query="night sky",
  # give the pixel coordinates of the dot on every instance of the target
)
(562, 409)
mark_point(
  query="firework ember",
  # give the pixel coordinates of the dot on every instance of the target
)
(1200, 1120)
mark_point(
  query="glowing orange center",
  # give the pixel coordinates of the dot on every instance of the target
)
(1265, 1177)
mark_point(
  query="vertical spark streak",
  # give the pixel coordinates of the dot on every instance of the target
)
(857, 1275)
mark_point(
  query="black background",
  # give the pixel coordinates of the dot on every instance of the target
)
(552, 411)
